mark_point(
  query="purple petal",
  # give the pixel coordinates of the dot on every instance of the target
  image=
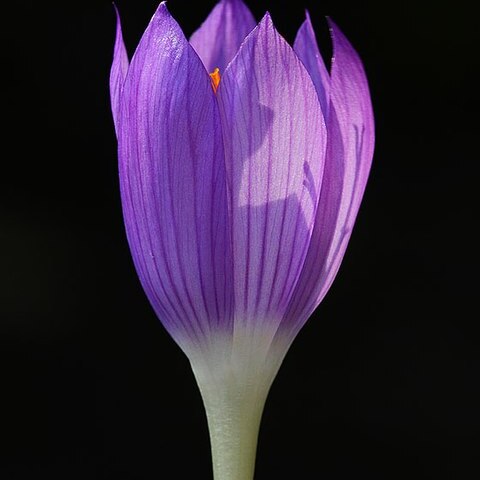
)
(275, 140)
(220, 36)
(347, 165)
(118, 72)
(173, 185)
(306, 48)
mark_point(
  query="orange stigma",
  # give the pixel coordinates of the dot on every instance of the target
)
(215, 76)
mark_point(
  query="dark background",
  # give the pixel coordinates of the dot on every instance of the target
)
(382, 383)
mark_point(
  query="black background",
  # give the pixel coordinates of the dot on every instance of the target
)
(382, 383)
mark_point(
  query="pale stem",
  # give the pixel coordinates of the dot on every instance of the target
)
(234, 378)
(233, 421)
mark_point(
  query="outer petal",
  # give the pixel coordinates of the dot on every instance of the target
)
(306, 48)
(173, 185)
(118, 72)
(348, 161)
(275, 137)
(220, 36)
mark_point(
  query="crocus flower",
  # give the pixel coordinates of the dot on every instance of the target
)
(243, 162)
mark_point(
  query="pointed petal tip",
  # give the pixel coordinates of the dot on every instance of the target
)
(162, 8)
(267, 21)
(117, 13)
(307, 23)
(161, 11)
(331, 23)
(118, 71)
(162, 18)
(341, 42)
(333, 27)
(264, 27)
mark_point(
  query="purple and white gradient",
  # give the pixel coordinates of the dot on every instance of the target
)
(239, 204)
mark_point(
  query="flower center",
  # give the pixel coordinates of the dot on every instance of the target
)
(215, 77)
